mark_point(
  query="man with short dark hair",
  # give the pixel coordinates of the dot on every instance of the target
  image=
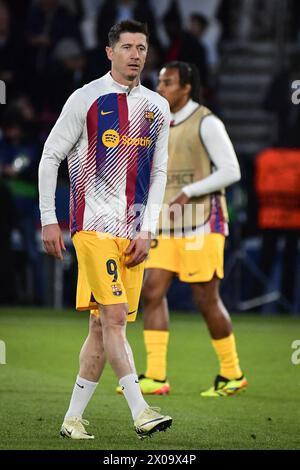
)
(115, 134)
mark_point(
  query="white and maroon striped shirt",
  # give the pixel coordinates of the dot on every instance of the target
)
(116, 141)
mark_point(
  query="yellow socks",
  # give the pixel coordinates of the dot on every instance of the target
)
(156, 343)
(229, 362)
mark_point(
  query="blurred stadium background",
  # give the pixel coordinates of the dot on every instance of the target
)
(248, 55)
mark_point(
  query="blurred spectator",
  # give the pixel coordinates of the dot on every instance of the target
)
(278, 100)
(48, 23)
(88, 24)
(71, 68)
(23, 107)
(66, 75)
(182, 45)
(19, 158)
(114, 11)
(152, 65)
(11, 53)
(198, 27)
(247, 20)
(224, 16)
(97, 63)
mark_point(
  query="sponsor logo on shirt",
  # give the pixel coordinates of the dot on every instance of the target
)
(111, 138)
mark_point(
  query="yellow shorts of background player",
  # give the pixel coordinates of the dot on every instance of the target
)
(103, 277)
(193, 259)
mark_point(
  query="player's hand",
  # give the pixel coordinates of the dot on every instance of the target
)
(138, 249)
(180, 199)
(53, 240)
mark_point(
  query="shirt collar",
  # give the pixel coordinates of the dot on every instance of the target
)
(119, 88)
(184, 113)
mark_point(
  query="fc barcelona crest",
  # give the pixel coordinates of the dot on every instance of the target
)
(116, 289)
(149, 116)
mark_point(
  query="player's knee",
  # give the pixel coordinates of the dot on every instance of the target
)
(115, 317)
(152, 293)
(206, 300)
(95, 326)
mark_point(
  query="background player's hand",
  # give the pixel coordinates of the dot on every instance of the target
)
(138, 249)
(53, 240)
(180, 199)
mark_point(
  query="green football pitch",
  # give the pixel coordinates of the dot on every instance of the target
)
(41, 364)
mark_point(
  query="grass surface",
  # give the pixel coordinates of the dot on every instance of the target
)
(42, 362)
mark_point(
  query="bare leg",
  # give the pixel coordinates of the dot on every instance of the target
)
(92, 362)
(209, 302)
(156, 312)
(219, 325)
(92, 356)
(114, 339)
(119, 355)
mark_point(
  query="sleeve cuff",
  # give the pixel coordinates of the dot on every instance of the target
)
(187, 191)
(48, 220)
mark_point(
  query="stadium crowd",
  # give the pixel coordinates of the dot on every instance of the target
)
(49, 48)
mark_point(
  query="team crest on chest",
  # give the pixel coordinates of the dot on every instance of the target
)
(149, 116)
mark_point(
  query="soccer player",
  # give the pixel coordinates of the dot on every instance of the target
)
(202, 162)
(115, 133)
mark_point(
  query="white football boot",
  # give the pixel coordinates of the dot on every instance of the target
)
(150, 421)
(73, 428)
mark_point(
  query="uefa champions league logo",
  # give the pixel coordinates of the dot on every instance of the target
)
(2, 92)
(2, 352)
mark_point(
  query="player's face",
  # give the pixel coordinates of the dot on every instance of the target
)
(170, 88)
(128, 56)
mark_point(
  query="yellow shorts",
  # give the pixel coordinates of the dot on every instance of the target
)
(193, 259)
(103, 277)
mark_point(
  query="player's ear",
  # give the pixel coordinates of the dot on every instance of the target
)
(188, 88)
(109, 52)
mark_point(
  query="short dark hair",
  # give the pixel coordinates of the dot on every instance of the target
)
(126, 26)
(188, 74)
